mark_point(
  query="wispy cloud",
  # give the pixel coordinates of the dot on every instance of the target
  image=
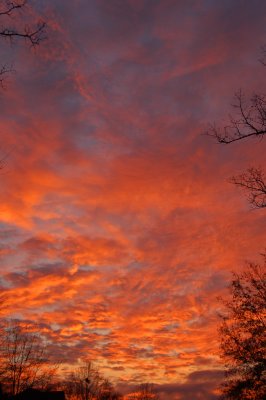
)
(118, 228)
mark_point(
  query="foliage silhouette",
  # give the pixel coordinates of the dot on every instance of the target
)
(242, 334)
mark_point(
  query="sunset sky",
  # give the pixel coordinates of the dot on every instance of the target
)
(118, 226)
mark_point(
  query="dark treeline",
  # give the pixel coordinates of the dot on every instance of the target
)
(26, 367)
(243, 328)
(26, 364)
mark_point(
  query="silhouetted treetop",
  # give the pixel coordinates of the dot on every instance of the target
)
(243, 335)
(249, 120)
(253, 181)
(24, 361)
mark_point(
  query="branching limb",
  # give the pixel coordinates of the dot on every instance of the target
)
(249, 120)
(263, 57)
(253, 181)
(34, 36)
(4, 71)
(10, 6)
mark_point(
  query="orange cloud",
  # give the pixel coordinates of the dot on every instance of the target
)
(118, 228)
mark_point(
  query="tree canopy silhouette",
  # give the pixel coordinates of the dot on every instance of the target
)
(243, 336)
(87, 383)
(145, 391)
(24, 361)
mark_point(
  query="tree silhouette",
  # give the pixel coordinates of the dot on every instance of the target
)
(243, 336)
(253, 181)
(23, 359)
(13, 28)
(86, 383)
(145, 391)
(247, 121)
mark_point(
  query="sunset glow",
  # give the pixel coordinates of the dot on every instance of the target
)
(119, 229)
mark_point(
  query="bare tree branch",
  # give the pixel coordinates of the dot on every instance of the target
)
(5, 70)
(23, 359)
(263, 57)
(253, 181)
(86, 383)
(32, 33)
(249, 120)
(10, 6)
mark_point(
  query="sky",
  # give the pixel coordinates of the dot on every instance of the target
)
(119, 229)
